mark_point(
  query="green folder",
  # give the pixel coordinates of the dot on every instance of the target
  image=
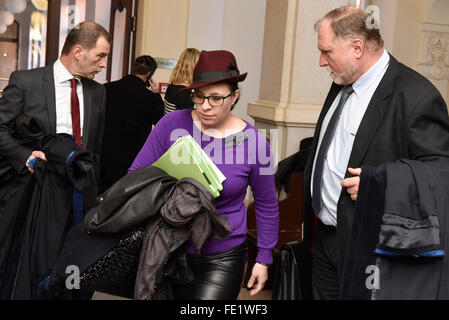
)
(213, 175)
(210, 168)
(186, 159)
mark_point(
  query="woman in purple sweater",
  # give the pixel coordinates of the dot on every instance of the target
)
(244, 157)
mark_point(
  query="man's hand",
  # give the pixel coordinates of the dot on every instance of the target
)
(35, 154)
(259, 276)
(352, 184)
(154, 86)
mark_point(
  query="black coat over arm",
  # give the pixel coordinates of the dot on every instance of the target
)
(32, 93)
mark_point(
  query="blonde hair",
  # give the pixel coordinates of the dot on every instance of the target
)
(183, 71)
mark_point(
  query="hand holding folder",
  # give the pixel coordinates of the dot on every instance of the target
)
(186, 159)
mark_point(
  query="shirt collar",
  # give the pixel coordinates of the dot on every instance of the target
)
(367, 79)
(61, 73)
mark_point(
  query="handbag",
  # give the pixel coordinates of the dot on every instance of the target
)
(115, 273)
(286, 271)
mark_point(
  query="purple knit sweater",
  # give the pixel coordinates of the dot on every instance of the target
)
(249, 163)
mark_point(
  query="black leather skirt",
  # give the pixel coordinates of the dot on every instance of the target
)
(218, 276)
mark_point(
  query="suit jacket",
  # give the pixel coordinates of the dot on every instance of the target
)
(131, 111)
(406, 119)
(32, 92)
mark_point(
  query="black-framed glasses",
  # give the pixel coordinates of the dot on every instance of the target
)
(214, 101)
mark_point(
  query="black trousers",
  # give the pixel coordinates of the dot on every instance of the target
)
(325, 280)
(217, 276)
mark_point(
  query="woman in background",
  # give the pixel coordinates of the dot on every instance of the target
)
(181, 77)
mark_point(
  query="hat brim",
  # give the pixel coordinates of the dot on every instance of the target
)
(196, 85)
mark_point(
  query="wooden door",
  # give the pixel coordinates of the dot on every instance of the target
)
(123, 31)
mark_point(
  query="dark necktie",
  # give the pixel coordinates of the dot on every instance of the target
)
(75, 111)
(78, 201)
(324, 147)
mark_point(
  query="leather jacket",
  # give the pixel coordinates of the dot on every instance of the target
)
(189, 213)
(130, 201)
(173, 212)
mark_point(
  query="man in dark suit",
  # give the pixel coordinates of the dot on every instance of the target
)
(377, 111)
(61, 97)
(131, 110)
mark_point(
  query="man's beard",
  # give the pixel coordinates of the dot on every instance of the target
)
(343, 79)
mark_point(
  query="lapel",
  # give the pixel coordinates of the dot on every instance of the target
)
(88, 96)
(374, 114)
(48, 84)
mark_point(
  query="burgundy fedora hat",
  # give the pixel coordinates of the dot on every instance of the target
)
(213, 67)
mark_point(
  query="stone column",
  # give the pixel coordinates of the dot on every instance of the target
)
(293, 86)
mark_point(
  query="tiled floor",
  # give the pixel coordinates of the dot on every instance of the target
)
(262, 295)
(244, 295)
(105, 296)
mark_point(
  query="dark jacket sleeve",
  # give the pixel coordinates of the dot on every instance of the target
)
(11, 106)
(101, 122)
(410, 223)
(428, 128)
(157, 108)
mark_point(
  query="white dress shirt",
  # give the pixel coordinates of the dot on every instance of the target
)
(63, 93)
(337, 158)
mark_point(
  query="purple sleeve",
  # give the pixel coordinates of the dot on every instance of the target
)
(261, 180)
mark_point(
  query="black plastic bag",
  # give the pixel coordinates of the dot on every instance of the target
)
(287, 270)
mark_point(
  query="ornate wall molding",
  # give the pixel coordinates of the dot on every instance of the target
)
(435, 58)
